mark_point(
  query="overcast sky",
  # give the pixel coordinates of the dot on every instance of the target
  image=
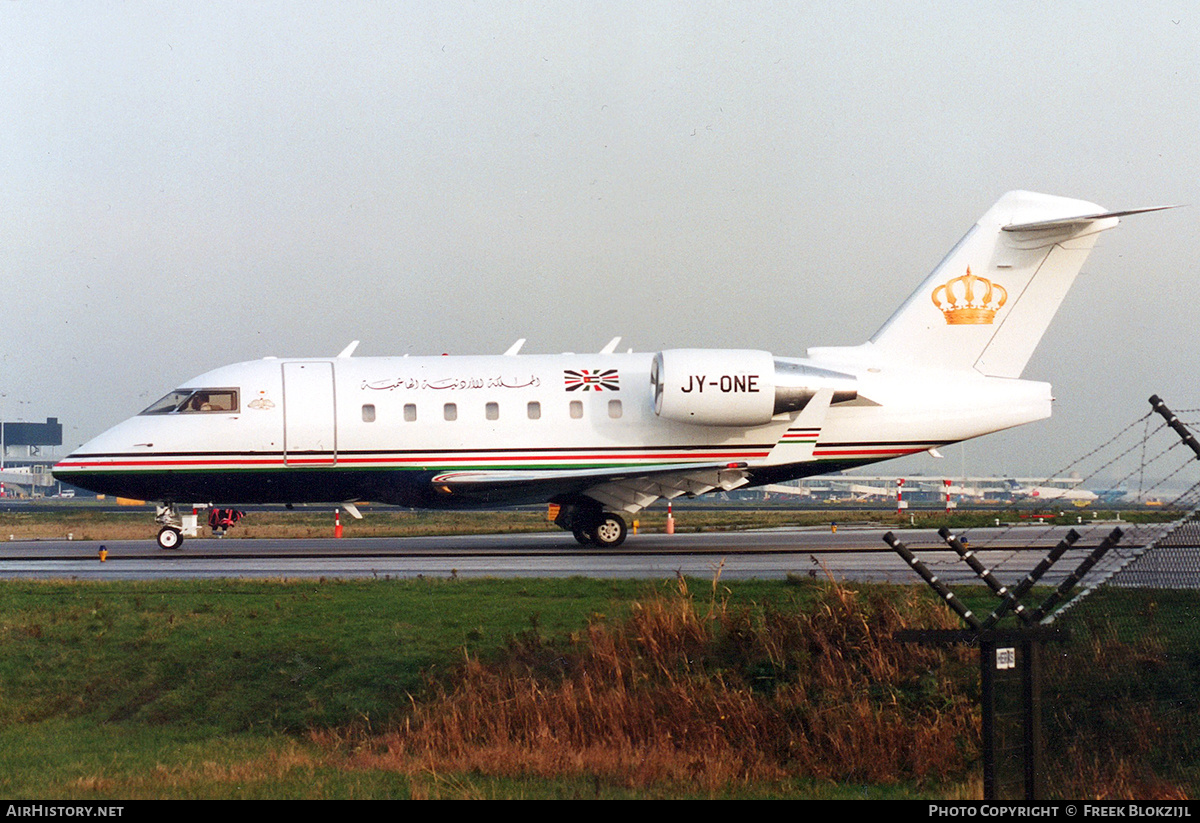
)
(189, 184)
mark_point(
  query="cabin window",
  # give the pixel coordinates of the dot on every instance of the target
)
(614, 409)
(492, 411)
(450, 411)
(410, 412)
(576, 409)
(368, 412)
(194, 401)
(535, 410)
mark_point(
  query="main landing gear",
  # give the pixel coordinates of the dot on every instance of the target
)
(592, 526)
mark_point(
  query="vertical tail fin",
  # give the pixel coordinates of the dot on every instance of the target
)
(988, 303)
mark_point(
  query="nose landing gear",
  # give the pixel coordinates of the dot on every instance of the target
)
(175, 526)
(169, 537)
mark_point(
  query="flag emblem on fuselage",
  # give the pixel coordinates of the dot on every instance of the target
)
(591, 380)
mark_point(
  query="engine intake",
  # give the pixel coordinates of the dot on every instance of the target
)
(736, 387)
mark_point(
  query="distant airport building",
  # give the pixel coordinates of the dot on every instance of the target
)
(24, 470)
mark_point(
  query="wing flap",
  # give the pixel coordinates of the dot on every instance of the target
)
(629, 489)
(636, 493)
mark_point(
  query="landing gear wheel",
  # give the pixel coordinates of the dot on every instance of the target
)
(583, 536)
(169, 538)
(609, 532)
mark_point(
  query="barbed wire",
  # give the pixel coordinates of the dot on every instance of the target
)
(1146, 456)
(1071, 466)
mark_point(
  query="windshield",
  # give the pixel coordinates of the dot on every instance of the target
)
(195, 401)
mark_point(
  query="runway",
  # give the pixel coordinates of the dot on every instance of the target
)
(852, 553)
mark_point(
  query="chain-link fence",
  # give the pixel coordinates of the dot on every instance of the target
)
(1121, 694)
(1120, 691)
(1091, 688)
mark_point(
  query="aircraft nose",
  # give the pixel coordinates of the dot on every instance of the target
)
(65, 469)
(87, 459)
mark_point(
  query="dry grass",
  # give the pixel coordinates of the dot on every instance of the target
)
(1098, 773)
(702, 696)
(1116, 725)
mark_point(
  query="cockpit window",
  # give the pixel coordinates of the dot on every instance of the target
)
(195, 401)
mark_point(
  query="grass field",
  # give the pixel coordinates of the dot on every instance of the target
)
(494, 688)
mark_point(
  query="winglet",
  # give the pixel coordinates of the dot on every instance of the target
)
(611, 347)
(349, 350)
(515, 347)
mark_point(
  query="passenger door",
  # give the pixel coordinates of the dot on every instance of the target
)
(309, 418)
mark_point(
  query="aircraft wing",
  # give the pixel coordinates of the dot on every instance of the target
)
(629, 489)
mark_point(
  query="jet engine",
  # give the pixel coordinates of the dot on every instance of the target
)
(736, 387)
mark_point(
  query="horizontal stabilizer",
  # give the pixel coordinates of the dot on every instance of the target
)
(1071, 223)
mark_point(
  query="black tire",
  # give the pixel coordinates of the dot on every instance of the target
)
(610, 532)
(583, 536)
(169, 538)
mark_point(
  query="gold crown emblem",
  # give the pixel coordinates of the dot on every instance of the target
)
(969, 300)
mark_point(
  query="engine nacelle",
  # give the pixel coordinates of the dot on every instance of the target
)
(736, 387)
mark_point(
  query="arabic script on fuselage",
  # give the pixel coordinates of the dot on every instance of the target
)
(451, 383)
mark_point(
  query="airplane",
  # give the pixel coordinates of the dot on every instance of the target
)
(1077, 496)
(604, 435)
